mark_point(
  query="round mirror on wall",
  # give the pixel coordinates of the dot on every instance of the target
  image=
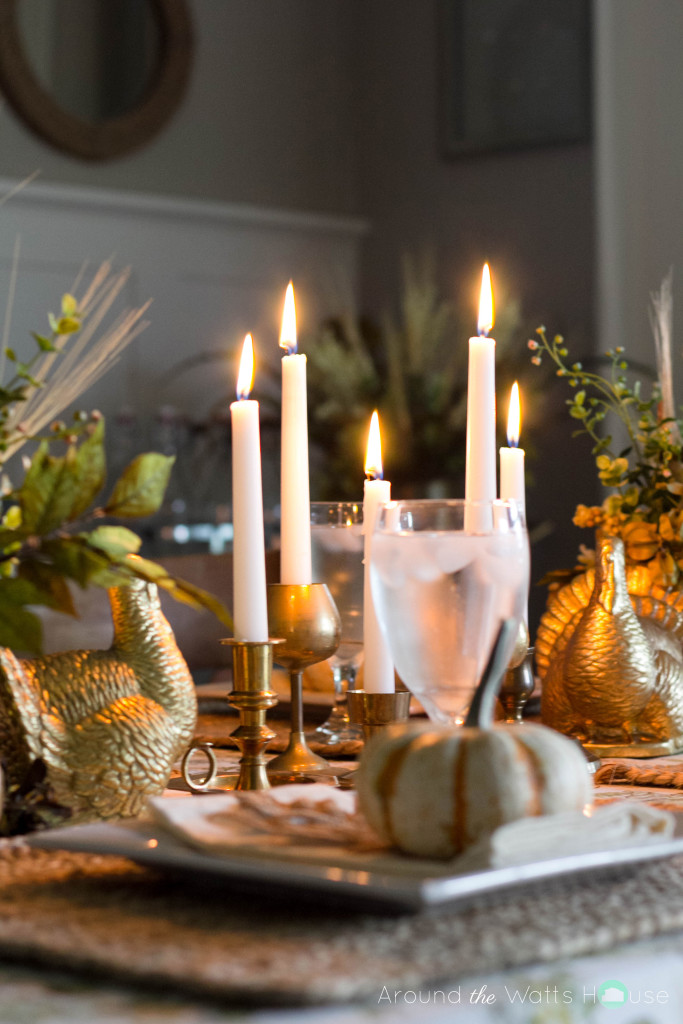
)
(95, 78)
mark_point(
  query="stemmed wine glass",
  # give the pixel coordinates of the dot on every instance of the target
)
(444, 575)
(337, 552)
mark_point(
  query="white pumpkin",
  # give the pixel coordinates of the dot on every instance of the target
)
(433, 792)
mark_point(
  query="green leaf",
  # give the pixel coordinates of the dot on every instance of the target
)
(73, 558)
(140, 489)
(49, 491)
(9, 395)
(116, 542)
(68, 325)
(38, 485)
(20, 629)
(69, 305)
(90, 471)
(11, 355)
(50, 587)
(180, 589)
(44, 343)
(58, 490)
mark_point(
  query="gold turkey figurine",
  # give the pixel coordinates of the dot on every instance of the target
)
(108, 725)
(609, 651)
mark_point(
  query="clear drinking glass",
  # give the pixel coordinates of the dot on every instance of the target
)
(444, 575)
(337, 552)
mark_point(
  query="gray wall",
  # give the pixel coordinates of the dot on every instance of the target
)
(639, 166)
(333, 107)
(530, 213)
(268, 118)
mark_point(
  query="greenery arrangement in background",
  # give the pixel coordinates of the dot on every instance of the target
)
(645, 504)
(52, 529)
(413, 369)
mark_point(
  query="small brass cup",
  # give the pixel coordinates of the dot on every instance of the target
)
(374, 711)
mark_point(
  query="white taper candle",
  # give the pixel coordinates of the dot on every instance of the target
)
(250, 613)
(378, 667)
(295, 526)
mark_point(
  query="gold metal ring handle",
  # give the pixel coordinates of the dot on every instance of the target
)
(199, 785)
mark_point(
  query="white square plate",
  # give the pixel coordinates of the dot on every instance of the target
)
(150, 845)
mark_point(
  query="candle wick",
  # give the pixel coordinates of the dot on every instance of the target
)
(373, 474)
(290, 347)
(513, 442)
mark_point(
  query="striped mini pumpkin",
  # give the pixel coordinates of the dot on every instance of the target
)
(433, 791)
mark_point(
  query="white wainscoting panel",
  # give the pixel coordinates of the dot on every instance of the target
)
(214, 271)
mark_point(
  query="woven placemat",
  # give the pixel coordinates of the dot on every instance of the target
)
(666, 772)
(105, 915)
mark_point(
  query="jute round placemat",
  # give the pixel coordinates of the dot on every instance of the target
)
(105, 915)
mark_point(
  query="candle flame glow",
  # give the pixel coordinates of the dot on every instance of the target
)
(514, 416)
(245, 377)
(288, 330)
(373, 457)
(486, 312)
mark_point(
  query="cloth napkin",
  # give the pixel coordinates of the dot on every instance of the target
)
(321, 825)
(551, 836)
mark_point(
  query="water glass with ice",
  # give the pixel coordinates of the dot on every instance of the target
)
(445, 574)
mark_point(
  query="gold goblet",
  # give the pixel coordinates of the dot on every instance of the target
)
(307, 620)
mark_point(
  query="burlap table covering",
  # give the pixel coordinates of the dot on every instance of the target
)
(106, 916)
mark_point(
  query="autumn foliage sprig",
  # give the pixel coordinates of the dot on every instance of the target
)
(53, 530)
(645, 506)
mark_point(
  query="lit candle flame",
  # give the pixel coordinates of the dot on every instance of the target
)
(486, 317)
(245, 377)
(373, 457)
(288, 330)
(514, 416)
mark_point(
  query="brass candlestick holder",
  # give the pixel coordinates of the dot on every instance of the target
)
(375, 711)
(306, 617)
(252, 668)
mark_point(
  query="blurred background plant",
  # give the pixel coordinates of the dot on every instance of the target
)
(412, 367)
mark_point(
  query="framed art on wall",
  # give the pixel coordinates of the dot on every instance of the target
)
(514, 73)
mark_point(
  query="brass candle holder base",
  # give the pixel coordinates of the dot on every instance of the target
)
(306, 617)
(252, 668)
(375, 711)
